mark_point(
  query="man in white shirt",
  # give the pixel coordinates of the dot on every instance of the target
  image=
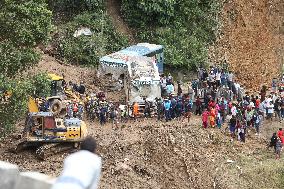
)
(81, 169)
(234, 110)
(270, 110)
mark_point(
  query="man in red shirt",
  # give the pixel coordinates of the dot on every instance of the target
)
(280, 132)
(257, 103)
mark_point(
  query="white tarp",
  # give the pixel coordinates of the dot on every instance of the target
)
(83, 31)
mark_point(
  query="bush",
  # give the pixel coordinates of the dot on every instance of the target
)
(16, 106)
(193, 27)
(86, 50)
(73, 7)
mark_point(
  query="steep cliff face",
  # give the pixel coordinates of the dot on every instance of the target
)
(252, 40)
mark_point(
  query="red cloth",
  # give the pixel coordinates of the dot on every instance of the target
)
(75, 107)
(205, 124)
(257, 103)
(280, 133)
(205, 115)
(282, 139)
(198, 102)
(212, 104)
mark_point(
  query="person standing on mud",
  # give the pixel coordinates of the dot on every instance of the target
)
(167, 107)
(160, 109)
(198, 105)
(278, 148)
(135, 110)
(273, 141)
(147, 109)
(205, 115)
(82, 169)
(102, 115)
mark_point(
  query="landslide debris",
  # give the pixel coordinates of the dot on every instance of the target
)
(251, 40)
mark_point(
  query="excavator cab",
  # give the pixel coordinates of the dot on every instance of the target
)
(42, 126)
(57, 83)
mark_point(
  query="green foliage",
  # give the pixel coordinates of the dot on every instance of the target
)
(25, 23)
(15, 59)
(15, 107)
(184, 27)
(41, 85)
(73, 7)
(86, 50)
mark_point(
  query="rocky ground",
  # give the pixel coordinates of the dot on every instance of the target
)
(251, 40)
(151, 154)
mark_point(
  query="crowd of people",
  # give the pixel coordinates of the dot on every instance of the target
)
(214, 96)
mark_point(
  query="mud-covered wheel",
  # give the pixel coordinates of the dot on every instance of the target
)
(56, 106)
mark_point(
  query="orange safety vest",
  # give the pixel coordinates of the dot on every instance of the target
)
(135, 108)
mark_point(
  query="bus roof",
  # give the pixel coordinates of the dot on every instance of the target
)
(141, 49)
(122, 56)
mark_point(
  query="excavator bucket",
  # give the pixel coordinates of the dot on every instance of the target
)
(32, 105)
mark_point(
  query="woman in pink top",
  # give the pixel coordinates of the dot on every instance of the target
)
(205, 115)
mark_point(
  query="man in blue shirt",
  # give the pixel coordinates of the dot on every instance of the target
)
(167, 106)
(170, 88)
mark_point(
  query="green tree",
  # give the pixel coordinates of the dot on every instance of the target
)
(184, 27)
(19, 91)
(24, 25)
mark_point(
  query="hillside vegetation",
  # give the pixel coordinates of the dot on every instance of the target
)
(185, 28)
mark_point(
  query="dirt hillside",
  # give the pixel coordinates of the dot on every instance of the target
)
(113, 10)
(252, 40)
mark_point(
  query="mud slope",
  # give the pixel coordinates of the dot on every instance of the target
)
(113, 10)
(252, 40)
(150, 154)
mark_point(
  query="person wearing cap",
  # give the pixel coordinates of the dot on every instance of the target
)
(270, 110)
(82, 169)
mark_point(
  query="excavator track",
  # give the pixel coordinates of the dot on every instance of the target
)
(47, 150)
(18, 146)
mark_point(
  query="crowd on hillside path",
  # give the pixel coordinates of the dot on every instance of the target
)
(215, 96)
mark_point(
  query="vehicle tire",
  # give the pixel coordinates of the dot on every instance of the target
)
(56, 106)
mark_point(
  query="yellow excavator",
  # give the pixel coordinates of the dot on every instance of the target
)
(58, 96)
(50, 135)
